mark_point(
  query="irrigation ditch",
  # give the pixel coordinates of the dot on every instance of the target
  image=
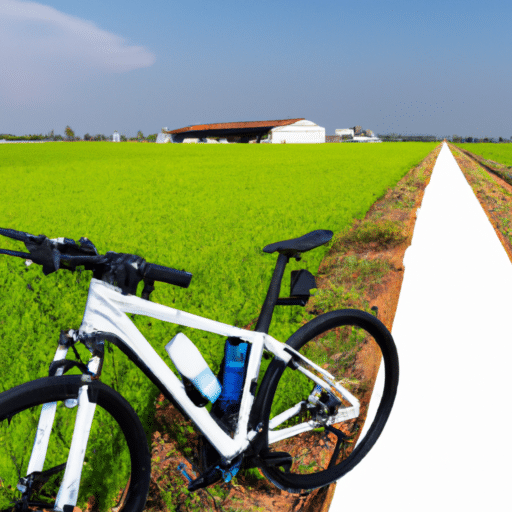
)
(364, 270)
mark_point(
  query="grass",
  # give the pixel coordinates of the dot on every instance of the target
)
(206, 209)
(379, 234)
(348, 281)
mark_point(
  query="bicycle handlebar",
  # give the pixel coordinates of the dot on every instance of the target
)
(16, 235)
(123, 270)
(168, 275)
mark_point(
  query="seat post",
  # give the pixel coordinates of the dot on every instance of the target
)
(267, 309)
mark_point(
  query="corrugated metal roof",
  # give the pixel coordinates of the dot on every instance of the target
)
(243, 124)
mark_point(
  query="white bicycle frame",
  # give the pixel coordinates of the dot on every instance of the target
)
(106, 311)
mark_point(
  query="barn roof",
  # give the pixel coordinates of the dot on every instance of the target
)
(236, 126)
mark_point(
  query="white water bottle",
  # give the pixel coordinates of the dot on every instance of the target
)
(191, 364)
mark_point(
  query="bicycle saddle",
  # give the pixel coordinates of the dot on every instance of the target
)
(301, 244)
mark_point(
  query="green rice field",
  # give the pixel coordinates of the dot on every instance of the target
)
(501, 153)
(206, 209)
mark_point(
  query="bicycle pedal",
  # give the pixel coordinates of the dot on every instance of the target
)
(210, 476)
(183, 470)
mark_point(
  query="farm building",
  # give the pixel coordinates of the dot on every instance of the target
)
(290, 131)
(350, 135)
(346, 133)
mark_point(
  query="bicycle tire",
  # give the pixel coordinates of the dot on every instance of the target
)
(311, 468)
(117, 464)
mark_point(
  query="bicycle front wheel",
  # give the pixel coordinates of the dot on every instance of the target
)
(116, 467)
(325, 433)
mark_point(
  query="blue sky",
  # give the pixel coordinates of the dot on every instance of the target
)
(419, 67)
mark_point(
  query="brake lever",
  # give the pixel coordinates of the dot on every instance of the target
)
(86, 244)
(43, 252)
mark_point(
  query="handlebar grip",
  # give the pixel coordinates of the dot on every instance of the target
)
(15, 235)
(167, 275)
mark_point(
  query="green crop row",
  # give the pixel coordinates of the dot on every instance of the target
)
(206, 209)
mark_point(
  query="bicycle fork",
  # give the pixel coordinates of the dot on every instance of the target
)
(68, 491)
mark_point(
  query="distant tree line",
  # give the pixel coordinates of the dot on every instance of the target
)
(397, 137)
(98, 137)
(69, 135)
(49, 136)
(495, 140)
(138, 138)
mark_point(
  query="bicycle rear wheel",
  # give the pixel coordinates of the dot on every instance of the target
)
(306, 422)
(117, 465)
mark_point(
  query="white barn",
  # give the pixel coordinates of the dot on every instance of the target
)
(300, 132)
(291, 131)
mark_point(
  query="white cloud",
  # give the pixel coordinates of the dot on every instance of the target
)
(42, 49)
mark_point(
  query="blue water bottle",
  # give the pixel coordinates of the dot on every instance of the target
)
(233, 378)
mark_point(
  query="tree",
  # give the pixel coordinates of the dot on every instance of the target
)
(87, 137)
(70, 134)
(140, 135)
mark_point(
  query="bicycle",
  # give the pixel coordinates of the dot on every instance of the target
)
(300, 423)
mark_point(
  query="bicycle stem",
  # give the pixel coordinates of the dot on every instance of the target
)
(267, 310)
